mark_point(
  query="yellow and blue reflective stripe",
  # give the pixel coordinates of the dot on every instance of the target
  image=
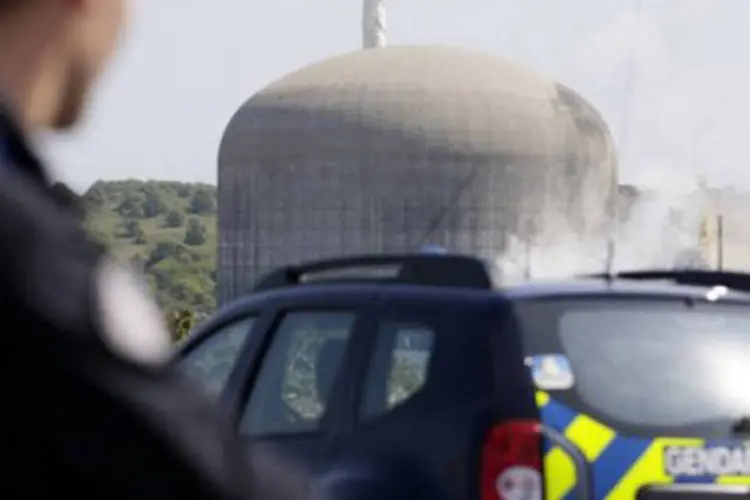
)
(620, 464)
(610, 455)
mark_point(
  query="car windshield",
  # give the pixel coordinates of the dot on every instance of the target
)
(663, 366)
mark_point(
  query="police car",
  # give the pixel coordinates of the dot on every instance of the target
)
(357, 369)
(644, 372)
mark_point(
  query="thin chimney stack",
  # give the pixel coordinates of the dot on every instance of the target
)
(373, 24)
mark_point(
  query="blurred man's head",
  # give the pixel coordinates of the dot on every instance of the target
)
(51, 52)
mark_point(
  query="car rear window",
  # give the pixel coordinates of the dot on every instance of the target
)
(666, 366)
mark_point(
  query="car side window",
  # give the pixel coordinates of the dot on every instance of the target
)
(398, 367)
(293, 386)
(210, 363)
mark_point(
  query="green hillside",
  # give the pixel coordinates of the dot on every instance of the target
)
(166, 229)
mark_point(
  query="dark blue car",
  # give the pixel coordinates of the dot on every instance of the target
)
(416, 377)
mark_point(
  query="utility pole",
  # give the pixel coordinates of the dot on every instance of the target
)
(373, 24)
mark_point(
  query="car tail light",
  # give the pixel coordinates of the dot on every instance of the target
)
(512, 462)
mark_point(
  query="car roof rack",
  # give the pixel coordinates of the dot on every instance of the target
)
(415, 269)
(696, 277)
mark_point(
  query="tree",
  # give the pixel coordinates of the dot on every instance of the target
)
(99, 237)
(174, 219)
(180, 323)
(181, 276)
(134, 230)
(95, 196)
(138, 262)
(163, 250)
(140, 239)
(152, 204)
(203, 202)
(131, 206)
(184, 190)
(195, 233)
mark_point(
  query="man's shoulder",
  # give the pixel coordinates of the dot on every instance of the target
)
(52, 272)
(41, 244)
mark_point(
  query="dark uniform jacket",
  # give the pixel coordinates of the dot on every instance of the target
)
(89, 408)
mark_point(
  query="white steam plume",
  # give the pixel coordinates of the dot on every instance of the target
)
(659, 229)
(686, 120)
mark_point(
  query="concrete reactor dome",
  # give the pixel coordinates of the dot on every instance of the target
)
(390, 149)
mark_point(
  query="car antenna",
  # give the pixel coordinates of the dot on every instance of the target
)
(609, 272)
(609, 258)
(527, 261)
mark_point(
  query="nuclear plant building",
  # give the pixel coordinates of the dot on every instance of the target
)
(389, 149)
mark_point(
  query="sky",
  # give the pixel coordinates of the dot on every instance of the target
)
(187, 65)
